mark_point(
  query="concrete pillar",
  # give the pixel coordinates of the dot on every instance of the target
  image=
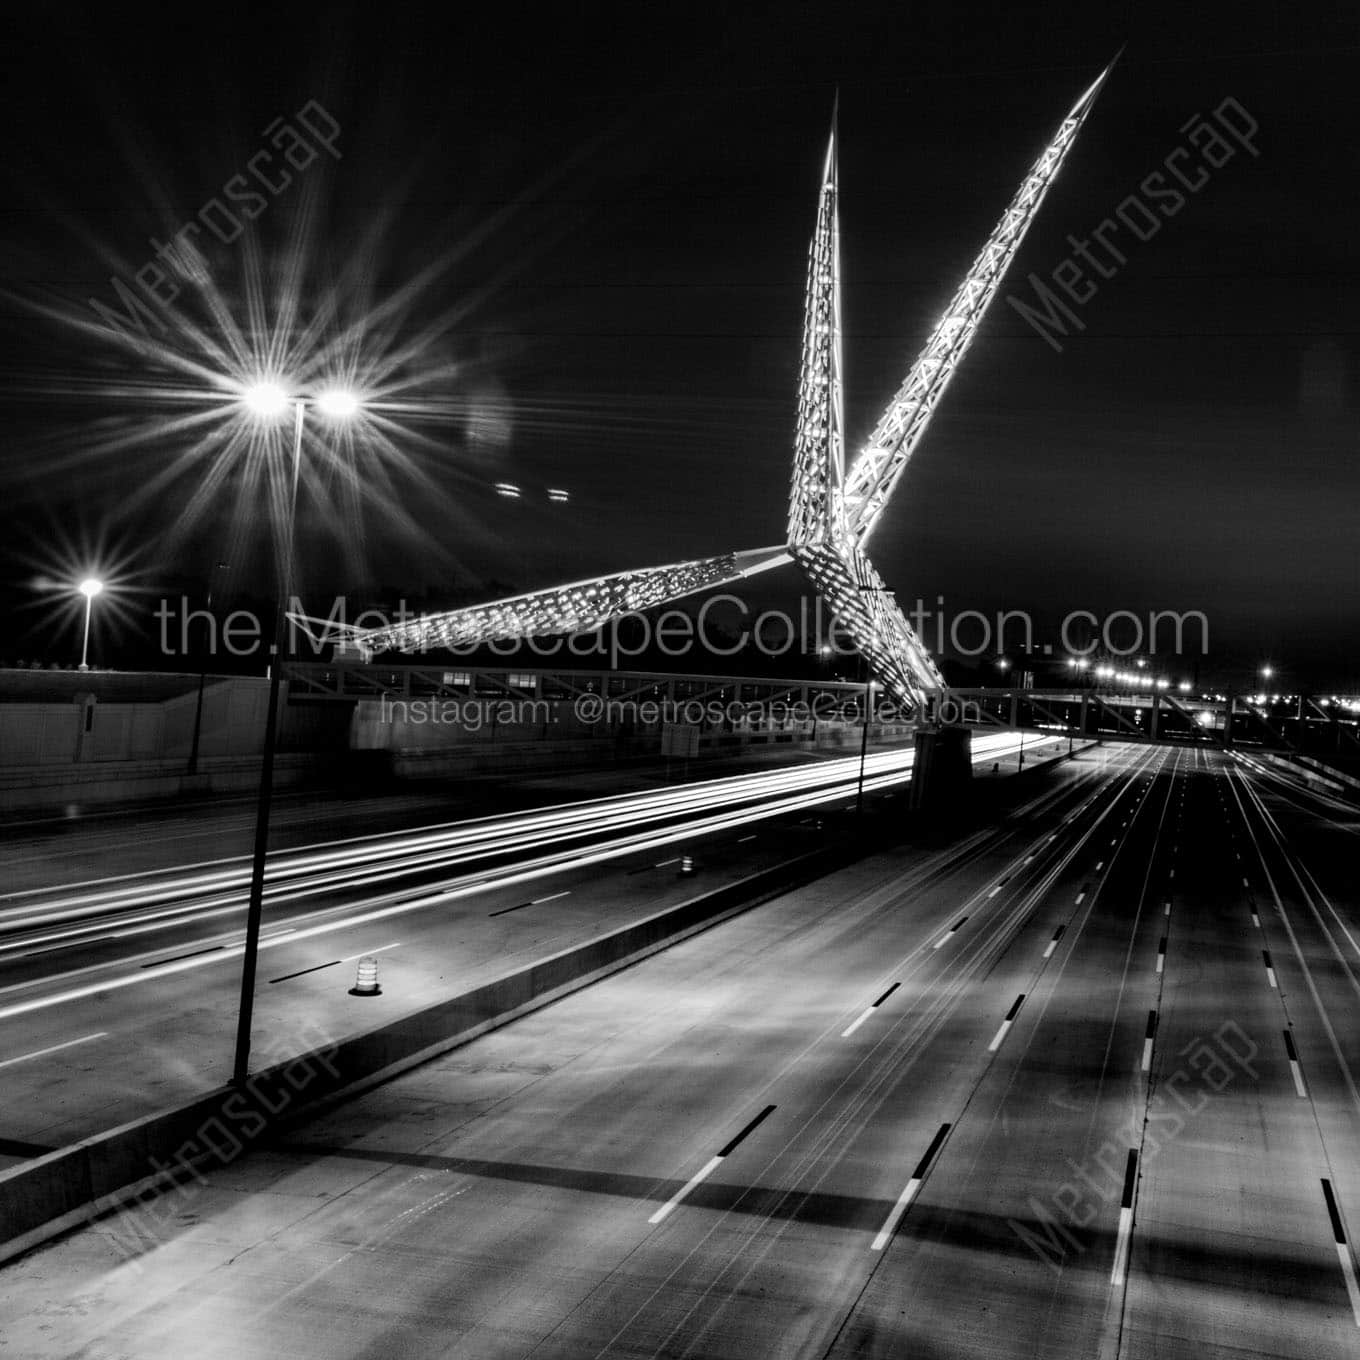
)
(943, 770)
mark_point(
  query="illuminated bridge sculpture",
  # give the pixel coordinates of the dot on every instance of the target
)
(832, 510)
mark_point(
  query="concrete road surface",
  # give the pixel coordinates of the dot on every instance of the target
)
(1084, 1089)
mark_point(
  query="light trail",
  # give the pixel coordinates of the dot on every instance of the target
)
(215, 888)
(215, 950)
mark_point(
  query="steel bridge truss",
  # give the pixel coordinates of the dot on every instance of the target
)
(832, 511)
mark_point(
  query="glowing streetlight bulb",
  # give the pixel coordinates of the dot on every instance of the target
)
(266, 399)
(90, 587)
(337, 403)
(1267, 672)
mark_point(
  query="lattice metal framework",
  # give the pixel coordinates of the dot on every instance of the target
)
(577, 608)
(865, 609)
(831, 512)
(880, 464)
(819, 445)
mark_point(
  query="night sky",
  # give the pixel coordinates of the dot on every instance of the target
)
(605, 212)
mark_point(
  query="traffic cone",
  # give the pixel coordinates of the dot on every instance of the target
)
(366, 980)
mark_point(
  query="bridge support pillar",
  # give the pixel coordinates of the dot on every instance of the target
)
(943, 770)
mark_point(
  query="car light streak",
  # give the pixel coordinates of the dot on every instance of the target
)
(391, 904)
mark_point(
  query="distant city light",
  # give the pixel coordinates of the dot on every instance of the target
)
(1184, 687)
(1267, 672)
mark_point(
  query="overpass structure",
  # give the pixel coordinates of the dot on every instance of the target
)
(833, 508)
(658, 699)
(1309, 726)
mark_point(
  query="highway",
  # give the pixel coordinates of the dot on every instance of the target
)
(118, 994)
(1081, 1085)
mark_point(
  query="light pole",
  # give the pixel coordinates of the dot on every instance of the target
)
(202, 679)
(89, 588)
(864, 737)
(268, 400)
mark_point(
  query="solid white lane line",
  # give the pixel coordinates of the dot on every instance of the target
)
(552, 897)
(55, 1048)
(703, 1173)
(868, 1011)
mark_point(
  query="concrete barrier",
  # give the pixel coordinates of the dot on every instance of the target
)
(127, 1169)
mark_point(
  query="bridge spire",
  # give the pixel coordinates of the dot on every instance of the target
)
(819, 441)
(884, 458)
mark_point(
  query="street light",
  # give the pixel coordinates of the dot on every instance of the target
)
(1267, 672)
(864, 739)
(89, 588)
(203, 677)
(268, 400)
